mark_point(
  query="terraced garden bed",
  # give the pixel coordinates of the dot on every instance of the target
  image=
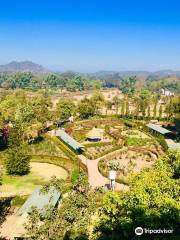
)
(94, 151)
(45, 147)
(129, 160)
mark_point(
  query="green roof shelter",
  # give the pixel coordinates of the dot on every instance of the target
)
(159, 129)
(40, 200)
(71, 142)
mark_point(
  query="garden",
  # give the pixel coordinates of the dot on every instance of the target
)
(128, 160)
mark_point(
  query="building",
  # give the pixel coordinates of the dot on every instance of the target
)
(160, 130)
(14, 226)
(71, 142)
(166, 92)
(95, 135)
(39, 200)
(172, 145)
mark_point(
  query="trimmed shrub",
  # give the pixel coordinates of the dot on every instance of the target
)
(17, 163)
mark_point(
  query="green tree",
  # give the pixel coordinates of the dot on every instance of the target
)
(116, 102)
(143, 99)
(127, 108)
(95, 84)
(64, 109)
(21, 79)
(71, 220)
(79, 82)
(123, 108)
(152, 202)
(71, 85)
(97, 100)
(149, 111)
(17, 162)
(86, 109)
(52, 80)
(108, 105)
(155, 110)
(127, 85)
(160, 112)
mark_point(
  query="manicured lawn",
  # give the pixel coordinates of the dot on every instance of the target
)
(24, 185)
(20, 185)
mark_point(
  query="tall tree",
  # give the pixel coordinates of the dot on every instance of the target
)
(64, 109)
(116, 102)
(17, 162)
(108, 105)
(86, 109)
(127, 85)
(151, 203)
(155, 110)
(71, 220)
(160, 111)
(123, 108)
(149, 111)
(127, 108)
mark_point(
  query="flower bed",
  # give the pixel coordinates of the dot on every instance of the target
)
(131, 159)
(96, 150)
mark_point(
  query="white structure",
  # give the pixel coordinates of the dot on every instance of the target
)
(112, 177)
(71, 119)
(166, 92)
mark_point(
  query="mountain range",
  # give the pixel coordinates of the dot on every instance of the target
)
(28, 66)
(25, 66)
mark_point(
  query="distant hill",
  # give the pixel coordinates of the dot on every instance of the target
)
(144, 74)
(25, 66)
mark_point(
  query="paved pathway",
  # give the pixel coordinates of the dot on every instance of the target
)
(95, 177)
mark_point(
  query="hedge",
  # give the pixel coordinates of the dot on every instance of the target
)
(69, 153)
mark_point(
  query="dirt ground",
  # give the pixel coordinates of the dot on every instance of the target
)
(46, 170)
(78, 96)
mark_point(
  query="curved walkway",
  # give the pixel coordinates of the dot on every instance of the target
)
(95, 177)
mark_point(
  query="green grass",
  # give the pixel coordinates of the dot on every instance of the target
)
(137, 141)
(44, 147)
(75, 175)
(24, 185)
(80, 135)
(18, 201)
(17, 184)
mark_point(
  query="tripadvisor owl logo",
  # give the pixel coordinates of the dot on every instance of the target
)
(139, 231)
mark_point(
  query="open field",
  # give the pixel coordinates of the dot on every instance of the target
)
(39, 174)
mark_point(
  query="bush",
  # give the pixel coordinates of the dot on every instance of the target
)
(18, 200)
(75, 175)
(136, 141)
(129, 124)
(113, 165)
(5, 204)
(17, 162)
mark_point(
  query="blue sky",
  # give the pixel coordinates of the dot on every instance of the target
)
(92, 35)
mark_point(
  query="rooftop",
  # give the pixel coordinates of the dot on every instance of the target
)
(39, 200)
(158, 129)
(95, 133)
(69, 140)
(174, 145)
